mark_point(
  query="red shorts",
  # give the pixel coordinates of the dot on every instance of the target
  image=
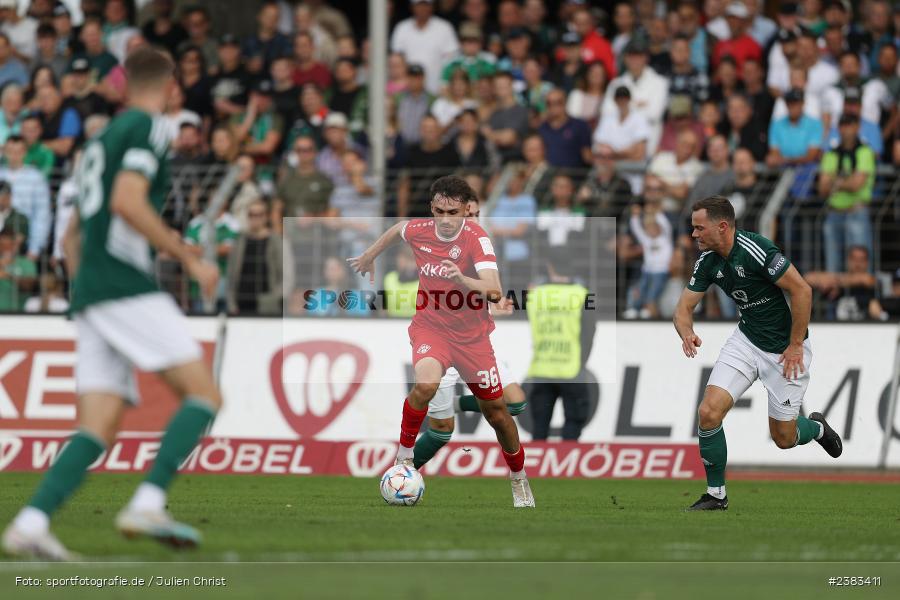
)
(475, 361)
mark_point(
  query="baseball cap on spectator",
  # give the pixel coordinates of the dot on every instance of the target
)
(570, 38)
(335, 119)
(842, 5)
(263, 87)
(679, 106)
(788, 8)
(415, 70)
(787, 35)
(470, 31)
(60, 10)
(79, 65)
(737, 9)
(848, 119)
(622, 92)
(636, 45)
(852, 94)
(794, 95)
(515, 33)
(229, 39)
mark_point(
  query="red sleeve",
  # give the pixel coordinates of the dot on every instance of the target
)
(481, 250)
(608, 59)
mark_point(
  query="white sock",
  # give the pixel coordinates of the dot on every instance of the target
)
(31, 520)
(716, 492)
(517, 474)
(403, 452)
(821, 431)
(149, 498)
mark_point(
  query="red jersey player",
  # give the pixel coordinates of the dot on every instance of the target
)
(457, 277)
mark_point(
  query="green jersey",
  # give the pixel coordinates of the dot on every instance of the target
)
(117, 261)
(748, 275)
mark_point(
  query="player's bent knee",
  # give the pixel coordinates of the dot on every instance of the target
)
(785, 441)
(442, 425)
(425, 391)
(494, 412)
(513, 394)
(710, 416)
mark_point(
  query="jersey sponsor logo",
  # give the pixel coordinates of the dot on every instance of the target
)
(719, 275)
(740, 271)
(425, 249)
(740, 295)
(486, 246)
(423, 348)
(433, 270)
(776, 263)
(455, 251)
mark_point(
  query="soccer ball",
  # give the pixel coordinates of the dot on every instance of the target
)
(402, 486)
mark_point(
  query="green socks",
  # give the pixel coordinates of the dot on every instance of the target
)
(714, 453)
(807, 430)
(67, 472)
(470, 404)
(428, 444)
(181, 436)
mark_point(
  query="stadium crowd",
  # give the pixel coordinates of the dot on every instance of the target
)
(554, 111)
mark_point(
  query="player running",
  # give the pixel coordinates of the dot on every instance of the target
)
(457, 272)
(124, 321)
(770, 343)
(445, 404)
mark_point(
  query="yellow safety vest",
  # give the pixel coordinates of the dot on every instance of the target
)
(554, 311)
(400, 297)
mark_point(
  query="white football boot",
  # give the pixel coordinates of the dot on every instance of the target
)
(40, 546)
(521, 491)
(158, 525)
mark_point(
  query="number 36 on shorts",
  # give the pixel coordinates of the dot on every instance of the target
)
(489, 379)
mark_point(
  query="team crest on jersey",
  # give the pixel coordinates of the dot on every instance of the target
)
(455, 251)
(423, 349)
(740, 271)
(739, 295)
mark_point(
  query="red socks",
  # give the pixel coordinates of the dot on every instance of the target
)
(515, 461)
(412, 422)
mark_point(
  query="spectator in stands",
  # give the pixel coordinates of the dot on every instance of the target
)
(231, 86)
(62, 125)
(812, 106)
(510, 224)
(20, 31)
(357, 206)
(853, 295)
(812, 19)
(685, 79)
(396, 75)
(48, 53)
(878, 29)
(561, 223)
(538, 172)
(471, 58)
(846, 179)
(889, 75)
(649, 91)
(337, 141)
(11, 68)
(626, 26)
(429, 39)
(718, 174)
(37, 155)
(677, 170)
(306, 68)
(710, 118)
(80, 93)
(195, 83)
(739, 45)
(568, 71)
(725, 81)
(782, 54)
(762, 28)
(223, 146)
(11, 114)
(543, 35)
(820, 75)
(255, 273)
(875, 94)
(426, 161)
(260, 128)
(585, 100)
(456, 98)
(653, 231)
(347, 96)
(658, 39)
(311, 116)
(744, 130)
(401, 286)
(67, 40)
(30, 194)
(308, 20)
(17, 273)
(839, 15)
(197, 239)
(594, 46)
(795, 139)
(681, 118)
(413, 104)
(567, 140)
(285, 93)
(196, 21)
(747, 197)
(304, 190)
(336, 296)
(51, 298)
(689, 26)
(267, 43)
(187, 148)
(755, 90)
(176, 115)
(517, 46)
(605, 193)
(536, 89)
(113, 86)
(163, 30)
(869, 132)
(247, 191)
(117, 28)
(10, 217)
(471, 147)
(623, 133)
(508, 124)
(100, 59)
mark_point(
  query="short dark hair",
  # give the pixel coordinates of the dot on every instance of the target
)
(15, 139)
(718, 208)
(146, 66)
(453, 187)
(46, 30)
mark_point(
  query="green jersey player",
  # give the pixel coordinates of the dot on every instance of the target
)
(769, 344)
(123, 320)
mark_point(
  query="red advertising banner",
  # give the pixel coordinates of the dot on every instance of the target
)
(371, 458)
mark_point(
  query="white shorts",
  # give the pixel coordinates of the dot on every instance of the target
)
(146, 332)
(441, 406)
(740, 363)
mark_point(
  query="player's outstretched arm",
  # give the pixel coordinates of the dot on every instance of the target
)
(365, 262)
(684, 322)
(71, 244)
(801, 307)
(129, 201)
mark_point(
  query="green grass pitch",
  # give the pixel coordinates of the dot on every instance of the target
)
(769, 529)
